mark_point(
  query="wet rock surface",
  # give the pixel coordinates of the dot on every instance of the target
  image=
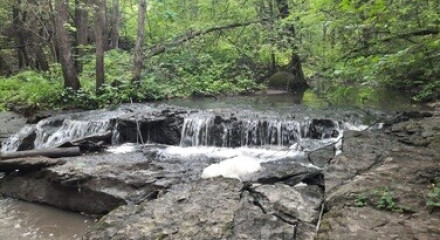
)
(375, 189)
(10, 124)
(379, 186)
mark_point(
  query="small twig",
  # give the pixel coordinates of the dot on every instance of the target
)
(138, 128)
(318, 225)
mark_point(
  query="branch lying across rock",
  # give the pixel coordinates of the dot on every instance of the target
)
(28, 164)
(161, 48)
(52, 153)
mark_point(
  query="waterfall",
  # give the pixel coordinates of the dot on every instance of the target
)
(207, 131)
(13, 142)
(52, 132)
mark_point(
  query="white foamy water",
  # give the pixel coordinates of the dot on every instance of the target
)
(236, 167)
(262, 155)
(354, 127)
(124, 148)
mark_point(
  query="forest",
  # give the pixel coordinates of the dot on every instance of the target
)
(67, 54)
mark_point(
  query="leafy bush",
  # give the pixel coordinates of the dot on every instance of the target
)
(174, 76)
(30, 88)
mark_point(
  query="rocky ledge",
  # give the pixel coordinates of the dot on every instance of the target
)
(382, 186)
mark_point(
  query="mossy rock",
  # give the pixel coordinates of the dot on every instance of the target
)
(286, 81)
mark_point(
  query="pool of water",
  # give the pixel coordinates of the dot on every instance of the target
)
(329, 98)
(22, 221)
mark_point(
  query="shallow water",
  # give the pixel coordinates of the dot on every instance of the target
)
(22, 221)
(341, 98)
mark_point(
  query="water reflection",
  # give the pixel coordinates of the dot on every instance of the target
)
(323, 97)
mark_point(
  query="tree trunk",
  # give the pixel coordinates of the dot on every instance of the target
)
(4, 67)
(20, 42)
(81, 24)
(51, 152)
(115, 18)
(139, 53)
(65, 47)
(106, 29)
(40, 57)
(37, 36)
(294, 66)
(99, 30)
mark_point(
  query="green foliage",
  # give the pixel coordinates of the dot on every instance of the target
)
(364, 43)
(382, 199)
(433, 198)
(30, 88)
(175, 76)
(361, 201)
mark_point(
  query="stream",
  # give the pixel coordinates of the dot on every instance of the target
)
(21, 221)
(256, 129)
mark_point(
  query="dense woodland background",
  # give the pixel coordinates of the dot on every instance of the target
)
(89, 54)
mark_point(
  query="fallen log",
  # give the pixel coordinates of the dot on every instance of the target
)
(93, 143)
(51, 152)
(28, 164)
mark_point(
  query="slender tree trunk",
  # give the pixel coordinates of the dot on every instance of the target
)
(139, 50)
(65, 47)
(40, 56)
(52, 34)
(99, 30)
(81, 24)
(106, 29)
(20, 40)
(37, 36)
(115, 18)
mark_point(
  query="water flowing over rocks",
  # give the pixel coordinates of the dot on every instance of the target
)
(318, 178)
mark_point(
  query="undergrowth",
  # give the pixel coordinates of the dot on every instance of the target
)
(164, 79)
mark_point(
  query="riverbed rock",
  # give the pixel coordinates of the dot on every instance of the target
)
(300, 202)
(288, 171)
(323, 156)
(204, 210)
(215, 209)
(378, 188)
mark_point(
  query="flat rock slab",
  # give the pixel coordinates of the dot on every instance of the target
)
(202, 211)
(213, 209)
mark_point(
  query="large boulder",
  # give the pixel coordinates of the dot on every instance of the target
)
(286, 81)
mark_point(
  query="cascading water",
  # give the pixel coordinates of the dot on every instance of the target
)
(206, 131)
(53, 132)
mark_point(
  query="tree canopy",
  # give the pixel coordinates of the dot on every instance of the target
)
(51, 51)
